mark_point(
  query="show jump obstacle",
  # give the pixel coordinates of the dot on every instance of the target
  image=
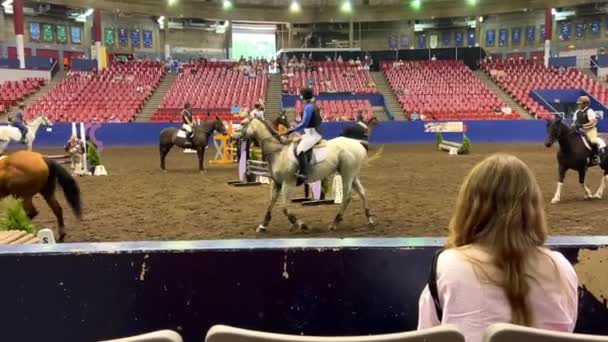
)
(79, 169)
(224, 147)
(452, 147)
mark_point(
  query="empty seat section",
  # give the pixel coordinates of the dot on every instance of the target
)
(443, 90)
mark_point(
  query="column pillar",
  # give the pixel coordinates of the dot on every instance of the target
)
(351, 33)
(18, 21)
(548, 34)
(97, 37)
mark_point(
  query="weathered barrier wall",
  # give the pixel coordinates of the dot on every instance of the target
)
(87, 292)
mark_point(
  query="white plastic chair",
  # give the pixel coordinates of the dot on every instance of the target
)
(444, 333)
(503, 332)
(157, 336)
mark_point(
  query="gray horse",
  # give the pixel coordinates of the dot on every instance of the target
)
(169, 137)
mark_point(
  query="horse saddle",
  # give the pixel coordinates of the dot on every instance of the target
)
(315, 155)
(601, 144)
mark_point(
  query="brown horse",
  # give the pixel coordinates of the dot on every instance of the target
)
(169, 138)
(24, 174)
(359, 132)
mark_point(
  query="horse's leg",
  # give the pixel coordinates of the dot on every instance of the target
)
(56, 208)
(200, 153)
(600, 190)
(164, 149)
(291, 217)
(29, 208)
(562, 174)
(347, 188)
(581, 180)
(276, 190)
(363, 194)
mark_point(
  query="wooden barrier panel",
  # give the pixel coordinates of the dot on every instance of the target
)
(17, 237)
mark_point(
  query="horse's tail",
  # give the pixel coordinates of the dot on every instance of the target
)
(376, 156)
(71, 191)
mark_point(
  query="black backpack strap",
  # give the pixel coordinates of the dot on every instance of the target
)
(432, 283)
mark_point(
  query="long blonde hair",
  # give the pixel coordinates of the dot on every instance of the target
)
(500, 208)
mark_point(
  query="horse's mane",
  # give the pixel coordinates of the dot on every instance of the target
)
(272, 131)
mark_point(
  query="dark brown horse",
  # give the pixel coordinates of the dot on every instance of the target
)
(356, 131)
(202, 132)
(24, 174)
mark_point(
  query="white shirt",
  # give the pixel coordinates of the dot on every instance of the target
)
(473, 305)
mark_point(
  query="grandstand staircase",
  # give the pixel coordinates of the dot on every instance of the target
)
(502, 94)
(272, 102)
(59, 76)
(593, 76)
(157, 97)
(389, 96)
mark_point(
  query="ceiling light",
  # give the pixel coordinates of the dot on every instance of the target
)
(472, 2)
(295, 6)
(7, 3)
(227, 4)
(347, 6)
(172, 2)
(415, 4)
(553, 11)
(481, 18)
(88, 12)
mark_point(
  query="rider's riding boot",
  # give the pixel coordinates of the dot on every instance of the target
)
(301, 175)
(595, 156)
(23, 139)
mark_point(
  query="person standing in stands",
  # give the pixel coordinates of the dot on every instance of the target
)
(495, 267)
(18, 122)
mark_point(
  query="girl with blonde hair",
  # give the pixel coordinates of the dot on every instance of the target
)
(495, 268)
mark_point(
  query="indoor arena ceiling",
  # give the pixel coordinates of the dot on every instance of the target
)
(317, 10)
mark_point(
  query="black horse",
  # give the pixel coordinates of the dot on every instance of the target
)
(356, 131)
(573, 155)
(169, 137)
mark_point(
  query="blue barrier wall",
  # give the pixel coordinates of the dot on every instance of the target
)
(84, 64)
(565, 62)
(600, 60)
(145, 134)
(92, 292)
(9, 63)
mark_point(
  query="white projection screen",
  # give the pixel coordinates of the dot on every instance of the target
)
(255, 41)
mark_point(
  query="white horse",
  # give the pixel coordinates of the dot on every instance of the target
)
(10, 133)
(342, 155)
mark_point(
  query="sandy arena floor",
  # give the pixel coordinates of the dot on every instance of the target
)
(411, 191)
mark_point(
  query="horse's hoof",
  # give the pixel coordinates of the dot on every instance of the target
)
(555, 200)
(597, 196)
(260, 229)
(371, 223)
(61, 237)
(332, 228)
(303, 227)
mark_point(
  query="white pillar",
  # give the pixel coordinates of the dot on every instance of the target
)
(98, 53)
(20, 51)
(167, 51)
(547, 52)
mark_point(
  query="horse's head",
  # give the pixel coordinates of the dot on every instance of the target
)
(555, 130)
(255, 129)
(281, 120)
(373, 121)
(43, 120)
(219, 126)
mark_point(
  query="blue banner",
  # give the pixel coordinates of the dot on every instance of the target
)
(596, 27)
(579, 30)
(35, 31)
(490, 37)
(422, 40)
(565, 30)
(135, 39)
(404, 41)
(147, 39)
(542, 33)
(516, 36)
(393, 41)
(530, 34)
(503, 37)
(123, 37)
(459, 38)
(471, 38)
(446, 38)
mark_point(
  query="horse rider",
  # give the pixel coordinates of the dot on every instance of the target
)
(585, 121)
(18, 122)
(311, 124)
(187, 120)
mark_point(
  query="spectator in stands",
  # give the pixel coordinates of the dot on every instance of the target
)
(18, 122)
(415, 116)
(495, 268)
(258, 111)
(75, 148)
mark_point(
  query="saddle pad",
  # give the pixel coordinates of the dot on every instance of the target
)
(319, 154)
(181, 134)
